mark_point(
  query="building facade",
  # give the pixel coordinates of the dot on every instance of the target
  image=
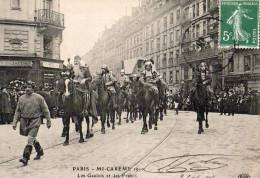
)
(30, 39)
(171, 32)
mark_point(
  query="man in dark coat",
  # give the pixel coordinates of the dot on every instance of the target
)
(6, 106)
(30, 108)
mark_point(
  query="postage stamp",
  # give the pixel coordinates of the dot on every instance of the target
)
(239, 23)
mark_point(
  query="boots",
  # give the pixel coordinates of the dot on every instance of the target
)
(26, 154)
(39, 150)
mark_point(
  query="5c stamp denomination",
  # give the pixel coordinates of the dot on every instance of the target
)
(239, 23)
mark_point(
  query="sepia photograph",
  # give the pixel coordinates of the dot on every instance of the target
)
(129, 89)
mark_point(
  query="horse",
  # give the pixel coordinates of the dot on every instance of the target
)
(200, 99)
(147, 102)
(106, 109)
(162, 86)
(122, 102)
(74, 101)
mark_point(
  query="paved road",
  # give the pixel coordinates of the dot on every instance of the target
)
(230, 146)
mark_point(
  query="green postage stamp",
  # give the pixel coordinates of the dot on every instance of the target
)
(239, 23)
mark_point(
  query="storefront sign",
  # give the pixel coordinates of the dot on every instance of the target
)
(15, 63)
(51, 65)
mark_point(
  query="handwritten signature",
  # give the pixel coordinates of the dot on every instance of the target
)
(188, 163)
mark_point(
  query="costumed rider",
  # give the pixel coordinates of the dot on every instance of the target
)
(110, 82)
(60, 86)
(205, 77)
(83, 77)
(124, 82)
(150, 76)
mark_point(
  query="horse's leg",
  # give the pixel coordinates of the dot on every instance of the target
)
(112, 116)
(103, 121)
(88, 128)
(107, 119)
(156, 113)
(119, 113)
(64, 127)
(67, 128)
(200, 115)
(79, 121)
(161, 113)
(144, 129)
(206, 118)
(127, 115)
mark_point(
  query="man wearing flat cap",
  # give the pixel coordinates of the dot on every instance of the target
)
(29, 109)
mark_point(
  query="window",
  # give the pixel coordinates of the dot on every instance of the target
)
(152, 30)
(152, 45)
(141, 51)
(171, 37)
(171, 18)
(164, 40)
(204, 6)
(177, 53)
(147, 47)
(204, 27)
(178, 14)
(164, 61)
(231, 66)
(186, 13)
(193, 31)
(47, 4)
(197, 30)
(186, 73)
(147, 32)
(158, 43)
(158, 26)
(15, 4)
(198, 9)
(165, 23)
(256, 62)
(171, 59)
(164, 76)
(177, 76)
(158, 61)
(193, 11)
(247, 63)
(177, 35)
(171, 77)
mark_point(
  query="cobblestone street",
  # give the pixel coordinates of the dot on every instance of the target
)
(175, 150)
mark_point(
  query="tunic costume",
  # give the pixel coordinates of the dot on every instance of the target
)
(29, 110)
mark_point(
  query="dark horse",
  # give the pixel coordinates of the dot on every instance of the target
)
(104, 103)
(75, 106)
(200, 100)
(147, 102)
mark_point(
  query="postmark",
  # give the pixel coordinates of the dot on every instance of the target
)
(239, 23)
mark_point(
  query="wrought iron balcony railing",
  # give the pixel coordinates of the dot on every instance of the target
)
(199, 55)
(50, 17)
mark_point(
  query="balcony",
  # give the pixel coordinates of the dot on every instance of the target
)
(199, 55)
(49, 17)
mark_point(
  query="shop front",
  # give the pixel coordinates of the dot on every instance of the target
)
(37, 70)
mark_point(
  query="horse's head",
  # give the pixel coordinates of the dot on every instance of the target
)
(68, 87)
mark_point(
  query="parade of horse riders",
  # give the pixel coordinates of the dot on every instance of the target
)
(168, 90)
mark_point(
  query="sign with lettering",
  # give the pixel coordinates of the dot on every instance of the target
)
(51, 65)
(15, 63)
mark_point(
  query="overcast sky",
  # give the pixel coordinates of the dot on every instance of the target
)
(86, 19)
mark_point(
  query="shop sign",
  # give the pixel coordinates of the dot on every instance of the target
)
(51, 65)
(15, 63)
